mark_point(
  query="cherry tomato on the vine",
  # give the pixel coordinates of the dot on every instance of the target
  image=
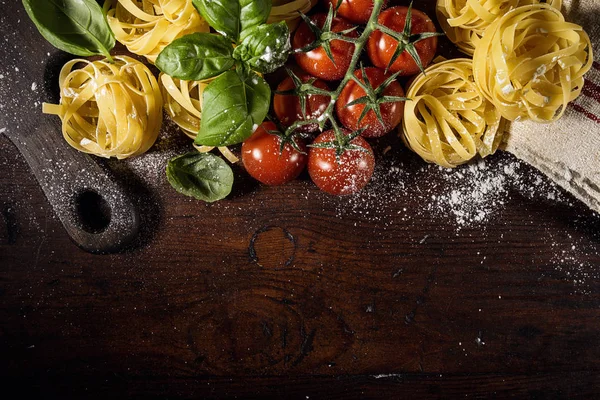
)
(346, 175)
(289, 110)
(316, 62)
(381, 47)
(391, 112)
(265, 162)
(355, 11)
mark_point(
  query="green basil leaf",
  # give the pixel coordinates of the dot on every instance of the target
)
(235, 104)
(76, 26)
(232, 17)
(201, 175)
(196, 57)
(265, 48)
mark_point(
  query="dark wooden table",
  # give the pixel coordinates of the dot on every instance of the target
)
(413, 289)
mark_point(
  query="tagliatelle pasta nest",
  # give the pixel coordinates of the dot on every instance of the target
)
(530, 63)
(183, 103)
(109, 109)
(447, 120)
(148, 26)
(464, 21)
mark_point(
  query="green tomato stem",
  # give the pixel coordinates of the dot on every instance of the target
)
(360, 43)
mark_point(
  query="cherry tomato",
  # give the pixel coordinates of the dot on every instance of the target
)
(391, 112)
(350, 174)
(381, 47)
(265, 163)
(355, 11)
(288, 108)
(316, 62)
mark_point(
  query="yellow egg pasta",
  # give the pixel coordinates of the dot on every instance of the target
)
(447, 121)
(109, 109)
(464, 21)
(530, 63)
(183, 103)
(148, 26)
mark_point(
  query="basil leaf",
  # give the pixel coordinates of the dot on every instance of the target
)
(196, 57)
(237, 103)
(265, 48)
(203, 176)
(76, 26)
(232, 17)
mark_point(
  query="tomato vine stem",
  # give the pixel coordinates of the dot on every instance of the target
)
(343, 141)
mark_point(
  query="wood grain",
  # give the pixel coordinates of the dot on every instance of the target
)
(289, 293)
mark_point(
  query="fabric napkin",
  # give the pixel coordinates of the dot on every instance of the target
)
(568, 151)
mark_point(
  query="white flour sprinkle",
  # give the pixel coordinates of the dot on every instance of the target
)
(571, 264)
(468, 196)
(150, 167)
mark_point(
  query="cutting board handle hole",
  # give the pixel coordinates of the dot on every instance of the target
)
(92, 211)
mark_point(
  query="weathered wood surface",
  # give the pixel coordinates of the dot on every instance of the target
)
(288, 293)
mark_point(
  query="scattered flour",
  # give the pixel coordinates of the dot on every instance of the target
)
(468, 196)
(475, 193)
(150, 167)
(573, 264)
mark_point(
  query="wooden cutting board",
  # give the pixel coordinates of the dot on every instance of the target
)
(93, 206)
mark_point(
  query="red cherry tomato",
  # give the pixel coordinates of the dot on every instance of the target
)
(263, 160)
(355, 11)
(288, 108)
(391, 112)
(350, 174)
(381, 47)
(316, 62)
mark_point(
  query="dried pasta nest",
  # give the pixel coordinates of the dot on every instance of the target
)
(109, 109)
(464, 21)
(447, 120)
(148, 26)
(183, 103)
(530, 63)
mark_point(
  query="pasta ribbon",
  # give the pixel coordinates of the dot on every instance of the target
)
(447, 120)
(109, 109)
(288, 10)
(148, 26)
(530, 63)
(464, 21)
(183, 103)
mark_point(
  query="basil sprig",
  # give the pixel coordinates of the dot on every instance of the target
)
(203, 176)
(76, 26)
(264, 49)
(232, 17)
(237, 100)
(196, 57)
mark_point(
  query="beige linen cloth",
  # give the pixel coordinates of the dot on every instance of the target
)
(568, 151)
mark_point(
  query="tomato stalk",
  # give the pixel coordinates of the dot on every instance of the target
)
(343, 142)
